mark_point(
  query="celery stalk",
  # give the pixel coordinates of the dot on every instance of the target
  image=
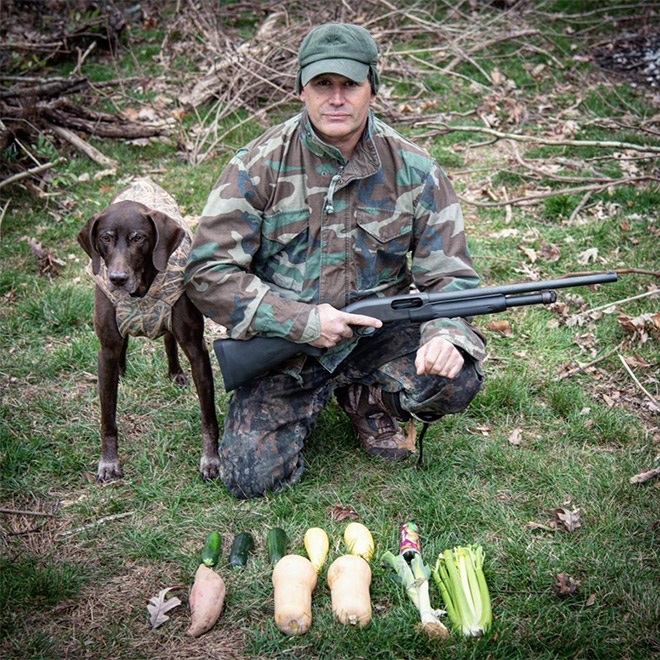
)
(415, 580)
(459, 576)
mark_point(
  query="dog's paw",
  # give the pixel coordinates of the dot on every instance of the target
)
(209, 467)
(179, 378)
(108, 470)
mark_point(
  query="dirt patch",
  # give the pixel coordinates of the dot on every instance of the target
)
(108, 619)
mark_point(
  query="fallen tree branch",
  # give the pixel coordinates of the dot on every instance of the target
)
(580, 206)
(605, 144)
(643, 477)
(2, 215)
(556, 177)
(651, 398)
(584, 367)
(31, 172)
(96, 523)
(531, 199)
(619, 271)
(19, 512)
(45, 88)
(619, 302)
(91, 152)
(100, 124)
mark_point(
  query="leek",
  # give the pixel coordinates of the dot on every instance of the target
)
(415, 579)
(460, 578)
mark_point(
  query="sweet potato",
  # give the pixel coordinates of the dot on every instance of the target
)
(206, 598)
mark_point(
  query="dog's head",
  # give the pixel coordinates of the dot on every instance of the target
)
(133, 241)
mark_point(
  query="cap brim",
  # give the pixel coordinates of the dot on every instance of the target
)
(353, 70)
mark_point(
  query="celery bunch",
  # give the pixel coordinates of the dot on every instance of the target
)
(460, 578)
(415, 579)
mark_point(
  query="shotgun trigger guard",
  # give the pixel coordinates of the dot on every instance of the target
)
(364, 330)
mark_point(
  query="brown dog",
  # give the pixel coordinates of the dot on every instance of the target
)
(138, 246)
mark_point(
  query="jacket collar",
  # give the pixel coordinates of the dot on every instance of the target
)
(365, 160)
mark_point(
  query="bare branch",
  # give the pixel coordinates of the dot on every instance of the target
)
(605, 144)
(27, 173)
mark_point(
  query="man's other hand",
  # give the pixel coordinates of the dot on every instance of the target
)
(440, 358)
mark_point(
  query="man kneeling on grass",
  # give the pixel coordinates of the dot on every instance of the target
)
(330, 207)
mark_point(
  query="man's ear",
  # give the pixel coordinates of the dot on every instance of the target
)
(169, 235)
(87, 240)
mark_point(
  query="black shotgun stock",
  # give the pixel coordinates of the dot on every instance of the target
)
(242, 360)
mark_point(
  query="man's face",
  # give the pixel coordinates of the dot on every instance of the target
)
(338, 107)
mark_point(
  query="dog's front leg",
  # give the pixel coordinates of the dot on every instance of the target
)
(188, 328)
(113, 348)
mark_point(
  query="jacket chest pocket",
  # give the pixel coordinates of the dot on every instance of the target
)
(284, 247)
(383, 242)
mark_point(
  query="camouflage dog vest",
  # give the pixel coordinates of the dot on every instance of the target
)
(149, 315)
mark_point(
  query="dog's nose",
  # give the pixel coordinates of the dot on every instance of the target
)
(118, 277)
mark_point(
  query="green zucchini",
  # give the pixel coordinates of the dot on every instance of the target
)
(276, 541)
(243, 544)
(211, 551)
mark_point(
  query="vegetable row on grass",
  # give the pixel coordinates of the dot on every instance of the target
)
(458, 574)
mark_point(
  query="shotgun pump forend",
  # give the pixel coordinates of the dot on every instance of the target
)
(242, 360)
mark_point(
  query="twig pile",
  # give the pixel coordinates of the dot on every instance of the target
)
(230, 80)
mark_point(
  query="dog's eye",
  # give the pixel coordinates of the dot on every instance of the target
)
(105, 238)
(137, 238)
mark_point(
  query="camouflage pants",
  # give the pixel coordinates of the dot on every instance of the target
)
(268, 419)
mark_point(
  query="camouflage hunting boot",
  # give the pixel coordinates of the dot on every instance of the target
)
(374, 414)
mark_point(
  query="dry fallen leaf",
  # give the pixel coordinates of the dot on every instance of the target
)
(588, 255)
(49, 264)
(564, 584)
(503, 327)
(484, 430)
(534, 525)
(655, 320)
(566, 519)
(410, 434)
(158, 607)
(338, 512)
(497, 77)
(636, 360)
(537, 70)
(550, 251)
(530, 253)
(639, 327)
(515, 438)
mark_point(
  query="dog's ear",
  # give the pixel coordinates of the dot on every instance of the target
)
(87, 240)
(168, 238)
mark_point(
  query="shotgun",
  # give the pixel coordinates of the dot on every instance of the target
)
(242, 360)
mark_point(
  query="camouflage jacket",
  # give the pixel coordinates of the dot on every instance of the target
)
(291, 224)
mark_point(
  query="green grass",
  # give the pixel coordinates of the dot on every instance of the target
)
(75, 583)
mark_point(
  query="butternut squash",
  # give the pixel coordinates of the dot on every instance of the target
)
(294, 579)
(349, 578)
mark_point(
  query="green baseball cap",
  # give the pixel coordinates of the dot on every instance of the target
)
(341, 48)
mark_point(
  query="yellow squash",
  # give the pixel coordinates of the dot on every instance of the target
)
(359, 541)
(317, 545)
